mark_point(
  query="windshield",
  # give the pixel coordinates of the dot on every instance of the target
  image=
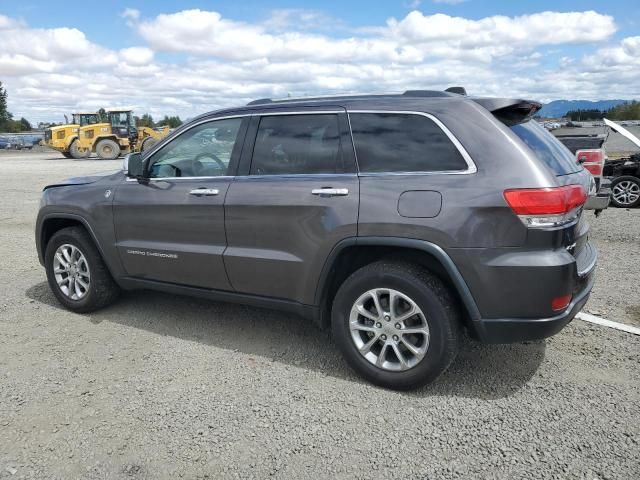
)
(547, 147)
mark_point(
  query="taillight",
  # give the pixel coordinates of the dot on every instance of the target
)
(592, 160)
(546, 207)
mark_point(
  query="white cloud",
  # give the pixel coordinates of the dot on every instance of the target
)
(218, 62)
(130, 13)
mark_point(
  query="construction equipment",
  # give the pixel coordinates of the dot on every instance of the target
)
(118, 135)
(64, 138)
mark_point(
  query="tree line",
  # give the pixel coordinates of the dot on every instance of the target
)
(7, 122)
(624, 111)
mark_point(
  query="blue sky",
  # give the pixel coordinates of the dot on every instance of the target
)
(193, 56)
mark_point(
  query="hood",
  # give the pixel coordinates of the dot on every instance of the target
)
(82, 180)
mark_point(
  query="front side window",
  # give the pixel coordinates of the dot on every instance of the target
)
(297, 144)
(203, 151)
(394, 142)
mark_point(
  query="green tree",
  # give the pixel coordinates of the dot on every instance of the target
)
(25, 126)
(172, 122)
(145, 121)
(5, 116)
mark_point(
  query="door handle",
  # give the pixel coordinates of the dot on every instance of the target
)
(330, 192)
(206, 192)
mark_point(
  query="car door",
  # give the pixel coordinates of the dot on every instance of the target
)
(171, 227)
(295, 197)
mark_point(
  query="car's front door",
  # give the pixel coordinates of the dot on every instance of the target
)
(171, 228)
(295, 197)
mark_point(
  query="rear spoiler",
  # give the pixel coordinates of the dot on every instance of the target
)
(509, 111)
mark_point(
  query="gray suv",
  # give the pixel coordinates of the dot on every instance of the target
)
(398, 221)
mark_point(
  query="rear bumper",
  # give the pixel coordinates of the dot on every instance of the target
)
(511, 330)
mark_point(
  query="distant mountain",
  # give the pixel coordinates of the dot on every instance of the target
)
(559, 108)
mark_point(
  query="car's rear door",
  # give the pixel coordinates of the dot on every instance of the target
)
(295, 197)
(171, 228)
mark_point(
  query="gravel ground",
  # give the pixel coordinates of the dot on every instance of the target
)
(159, 386)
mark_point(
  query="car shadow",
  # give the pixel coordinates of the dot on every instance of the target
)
(479, 371)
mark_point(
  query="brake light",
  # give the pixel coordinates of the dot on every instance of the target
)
(546, 207)
(592, 160)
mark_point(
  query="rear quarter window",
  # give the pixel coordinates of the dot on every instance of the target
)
(394, 142)
(547, 148)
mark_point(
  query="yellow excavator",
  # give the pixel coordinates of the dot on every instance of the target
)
(116, 135)
(64, 138)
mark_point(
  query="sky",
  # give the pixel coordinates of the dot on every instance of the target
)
(188, 57)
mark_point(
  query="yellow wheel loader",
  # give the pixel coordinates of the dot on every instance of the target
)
(64, 138)
(118, 135)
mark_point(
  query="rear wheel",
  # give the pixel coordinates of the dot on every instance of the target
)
(625, 191)
(75, 152)
(76, 272)
(108, 149)
(147, 143)
(396, 324)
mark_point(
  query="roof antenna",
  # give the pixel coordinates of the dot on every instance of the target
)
(458, 90)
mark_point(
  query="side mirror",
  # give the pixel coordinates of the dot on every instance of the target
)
(133, 165)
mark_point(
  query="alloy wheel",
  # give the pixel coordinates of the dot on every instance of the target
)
(389, 329)
(71, 271)
(626, 192)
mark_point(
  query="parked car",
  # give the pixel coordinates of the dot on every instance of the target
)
(624, 173)
(5, 143)
(395, 220)
(589, 151)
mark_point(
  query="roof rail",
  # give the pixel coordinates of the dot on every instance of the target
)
(409, 93)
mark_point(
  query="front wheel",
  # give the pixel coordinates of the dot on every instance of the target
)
(108, 149)
(396, 324)
(76, 153)
(76, 272)
(148, 143)
(625, 191)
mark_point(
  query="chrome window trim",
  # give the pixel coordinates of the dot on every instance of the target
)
(166, 179)
(240, 115)
(471, 166)
(298, 175)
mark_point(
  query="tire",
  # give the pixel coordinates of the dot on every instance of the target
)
(625, 191)
(100, 289)
(108, 149)
(147, 143)
(75, 152)
(439, 314)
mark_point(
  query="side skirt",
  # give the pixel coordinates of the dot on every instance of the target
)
(309, 312)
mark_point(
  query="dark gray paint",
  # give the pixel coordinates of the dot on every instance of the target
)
(268, 241)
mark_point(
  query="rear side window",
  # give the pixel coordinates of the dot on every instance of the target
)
(547, 147)
(297, 144)
(393, 142)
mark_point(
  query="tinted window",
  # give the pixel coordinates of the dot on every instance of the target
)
(391, 142)
(547, 147)
(203, 151)
(297, 144)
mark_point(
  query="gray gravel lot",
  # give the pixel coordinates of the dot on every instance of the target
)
(159, 386)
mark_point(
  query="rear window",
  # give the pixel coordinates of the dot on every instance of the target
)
(393, 142)
(547, 147)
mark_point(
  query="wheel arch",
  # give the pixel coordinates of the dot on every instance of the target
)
(53, 223)
(353, 253)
